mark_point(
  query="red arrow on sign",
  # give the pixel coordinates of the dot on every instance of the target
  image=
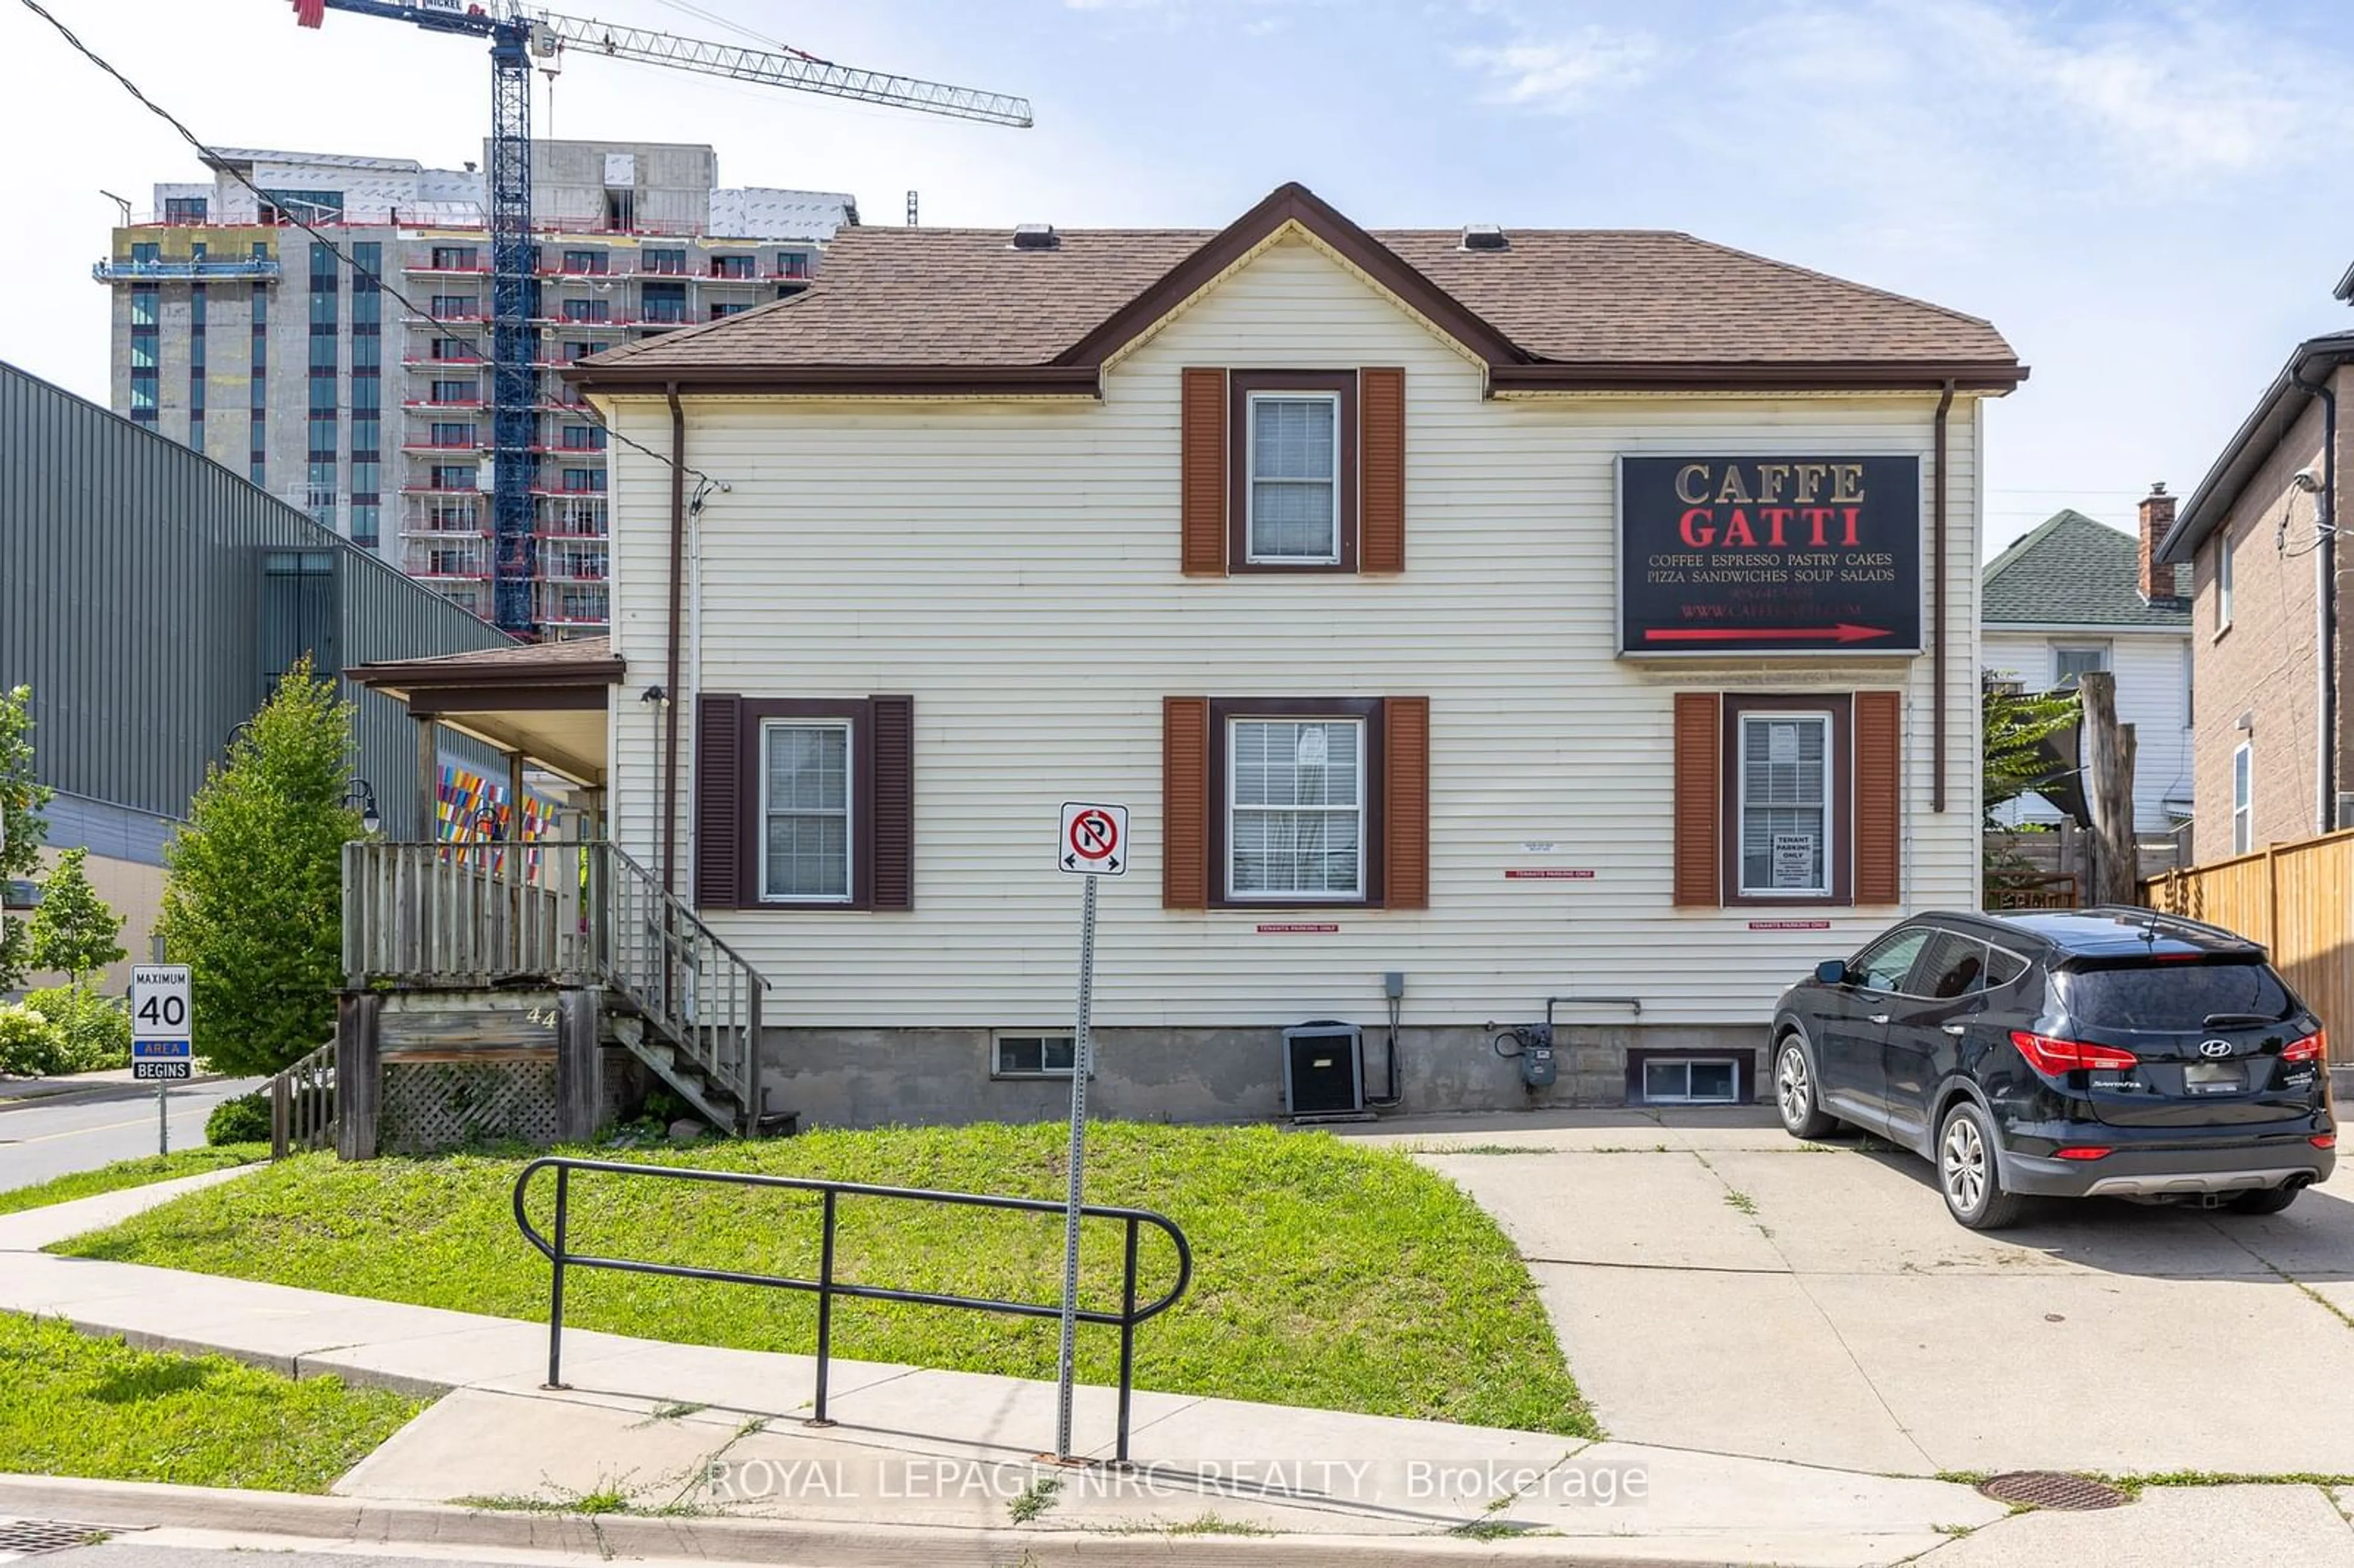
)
(1842, 632)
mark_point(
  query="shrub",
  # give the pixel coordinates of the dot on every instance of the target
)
(253, 890)
(30, 1044)
(245, 1119)
(93, 1030)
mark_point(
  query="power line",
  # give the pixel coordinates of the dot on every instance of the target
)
(706, 483)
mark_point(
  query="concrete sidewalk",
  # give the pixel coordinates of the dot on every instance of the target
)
(951, 1461)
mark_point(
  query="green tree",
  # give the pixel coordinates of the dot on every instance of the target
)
(72, 930)
(2017, 725)
(252, 891)
(22, 828)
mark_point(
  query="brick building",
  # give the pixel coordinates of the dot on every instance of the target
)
(2272, 752)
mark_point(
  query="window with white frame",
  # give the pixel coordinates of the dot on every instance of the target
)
(1296, 808)
(1688, 1081)
(1295, 477)
(2244, 797)
(2223, 580)
(1784, 803)
(805, 794)
(2071, 665)
(1025, 1055)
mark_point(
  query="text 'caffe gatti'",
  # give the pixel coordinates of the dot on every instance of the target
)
(1780, 555)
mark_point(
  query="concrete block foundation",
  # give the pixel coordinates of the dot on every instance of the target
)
(873, 1077)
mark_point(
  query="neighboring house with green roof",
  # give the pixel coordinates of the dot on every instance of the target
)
(2075, 595)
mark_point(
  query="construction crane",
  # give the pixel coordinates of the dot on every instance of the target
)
(517, 36)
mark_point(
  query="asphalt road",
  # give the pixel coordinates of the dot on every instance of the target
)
(91, 1127)
(130, 1551)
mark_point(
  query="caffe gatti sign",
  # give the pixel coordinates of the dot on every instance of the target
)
(1723, 555)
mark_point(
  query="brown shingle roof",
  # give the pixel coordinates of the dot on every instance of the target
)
(574, 660)
(943, 298)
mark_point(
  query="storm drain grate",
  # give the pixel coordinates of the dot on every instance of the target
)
(2053, 1490)
(44, 1535)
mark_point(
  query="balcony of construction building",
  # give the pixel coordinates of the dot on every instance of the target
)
(573, 562)
(570, 517)
(569, 604)
(453, 559)
(429, 518)
(199, 270)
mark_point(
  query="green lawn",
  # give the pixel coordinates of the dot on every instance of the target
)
(80, 1405)
(1326, 1273)
(131, 1174)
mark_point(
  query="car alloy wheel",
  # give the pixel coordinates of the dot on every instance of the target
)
(1970, 1175)
(1793, 1092)
(1963, 1164)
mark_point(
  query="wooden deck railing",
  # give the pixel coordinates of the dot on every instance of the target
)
(303, 1104)
(473, 915)
(2297, 899)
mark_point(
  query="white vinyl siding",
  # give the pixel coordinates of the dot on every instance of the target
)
(1785, 804)
(2153, 695)
(1295, 477)
(1038, 673)
(805, 811)
(1296, 808)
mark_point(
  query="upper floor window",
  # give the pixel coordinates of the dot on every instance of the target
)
(733, 266)
(1291, 471)
(2244, 797)
(2069, 665)
(1295, 478)
(2223, 579)
(671, 261)
(792, 264)
(584, 261)
(453, 259)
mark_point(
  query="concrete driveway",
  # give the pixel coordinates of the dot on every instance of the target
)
(1718, 1285)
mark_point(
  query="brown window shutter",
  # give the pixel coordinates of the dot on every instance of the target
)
(719, 804)
(1186, 803)
(1381, 462)
(1202, 419)
(1879, 794)
(1405, 802)
(892, 844)
(1699, 800)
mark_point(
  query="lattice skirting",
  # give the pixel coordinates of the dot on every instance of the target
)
(430, 1107)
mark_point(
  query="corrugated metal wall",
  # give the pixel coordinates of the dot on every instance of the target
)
(132, 602)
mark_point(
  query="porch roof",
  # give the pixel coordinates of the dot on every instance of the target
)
(545, 701)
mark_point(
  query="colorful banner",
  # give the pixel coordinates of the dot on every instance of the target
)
(474, 810)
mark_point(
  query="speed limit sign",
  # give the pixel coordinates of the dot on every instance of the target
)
(159, 1001)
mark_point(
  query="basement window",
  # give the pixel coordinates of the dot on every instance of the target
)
(1691, 1081)
(1032, 1055)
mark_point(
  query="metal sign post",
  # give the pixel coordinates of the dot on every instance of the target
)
(1092, 843)
(160, 1035)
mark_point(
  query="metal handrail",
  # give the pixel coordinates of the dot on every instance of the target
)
(826, 1286)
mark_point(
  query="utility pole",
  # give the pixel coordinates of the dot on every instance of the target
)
(2108, 791)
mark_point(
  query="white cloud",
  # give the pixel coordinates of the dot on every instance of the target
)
(1561, 76)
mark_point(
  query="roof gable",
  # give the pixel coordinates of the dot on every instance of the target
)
(2071, 570)
(911, 310)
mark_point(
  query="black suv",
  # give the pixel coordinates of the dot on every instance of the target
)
(2095, 1053)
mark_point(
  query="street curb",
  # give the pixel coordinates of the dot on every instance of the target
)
(9, 1102)
(126, 1505)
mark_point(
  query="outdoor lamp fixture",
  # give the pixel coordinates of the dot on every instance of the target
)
(363, 794)
(653, 694)
(486, 823)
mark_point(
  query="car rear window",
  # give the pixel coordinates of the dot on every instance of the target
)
(2173, 995)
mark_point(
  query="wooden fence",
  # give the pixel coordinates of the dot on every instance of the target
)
(2297, 899)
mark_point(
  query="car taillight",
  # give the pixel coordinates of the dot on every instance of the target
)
(2323, 1141)
(2086, 1152)
(2312, 1048)
(2047, 1054)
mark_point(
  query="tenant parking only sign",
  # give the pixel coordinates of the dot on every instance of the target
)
(1773, 555)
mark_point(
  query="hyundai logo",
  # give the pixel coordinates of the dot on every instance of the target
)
(2214, 1047)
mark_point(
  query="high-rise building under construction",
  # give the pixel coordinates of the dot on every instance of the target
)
(243, 335)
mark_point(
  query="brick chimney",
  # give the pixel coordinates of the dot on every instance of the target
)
(2157, 518)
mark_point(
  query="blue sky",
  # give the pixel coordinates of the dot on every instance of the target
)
(2147, 199)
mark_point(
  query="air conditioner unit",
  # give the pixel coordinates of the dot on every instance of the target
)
(1324, 1072)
